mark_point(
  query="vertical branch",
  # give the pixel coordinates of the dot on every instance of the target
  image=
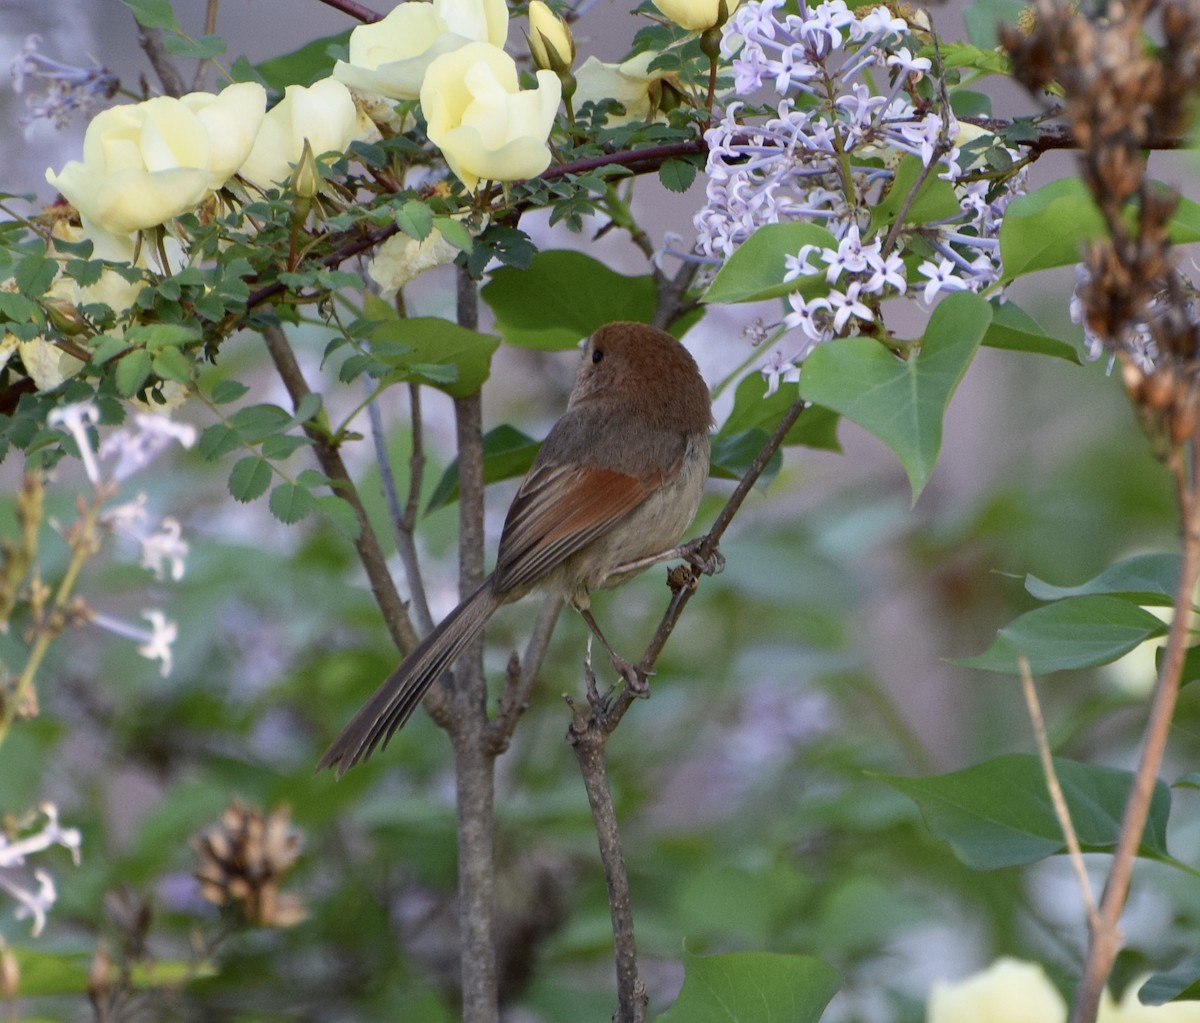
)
(1105, 938)
(473, 757)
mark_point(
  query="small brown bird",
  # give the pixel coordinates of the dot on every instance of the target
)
(618, 479)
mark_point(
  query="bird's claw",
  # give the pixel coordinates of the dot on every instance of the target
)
(702, 559)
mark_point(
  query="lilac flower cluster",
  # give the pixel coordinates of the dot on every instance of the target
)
(828, 155)
(68, 89)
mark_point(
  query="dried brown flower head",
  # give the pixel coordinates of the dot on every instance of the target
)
(242, 859)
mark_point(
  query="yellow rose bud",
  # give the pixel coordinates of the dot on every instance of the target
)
(698, 15)
(550, 39)
(482, 121)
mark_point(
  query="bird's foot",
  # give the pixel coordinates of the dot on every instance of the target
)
(701, 557)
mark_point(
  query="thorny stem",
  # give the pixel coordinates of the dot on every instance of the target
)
(1105, 940)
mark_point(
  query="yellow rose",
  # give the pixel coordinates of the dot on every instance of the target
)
(550, 40)
(390, 57)
(324, 113)
(1008, 991)
(1131, 1010)
(484, 124)
(630, 83)
(144, 163)
(697, 15)
(402, 259)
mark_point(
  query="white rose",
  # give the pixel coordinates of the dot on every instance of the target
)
(484, 124)
(144, 163)
(390, 57)
(324, 113)
(402, 259)
(1008, 991)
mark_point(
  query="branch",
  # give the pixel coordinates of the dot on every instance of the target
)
(522, 673)
(354, 9)
(150, 40)
(395, 614)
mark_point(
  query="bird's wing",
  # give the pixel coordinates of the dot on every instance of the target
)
(560, 509)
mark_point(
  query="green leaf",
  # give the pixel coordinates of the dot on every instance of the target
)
(755, 270)
(172, 364)
(1190, 670)
(935, 200)
(290, 503)
(153, 14)
(1078, 632)
(1178, 984)
(1143, 579)
(340, 514)
(225, 391)
(283, 444)
(753, 987)
(415, 219)
(217, 440)
(507, 452)
(303, 66)
(205, 48)
(249, 478)
(732, 454)
(985, 59)
(998, 813)
(309, 406)
(677, 175)
(753, 408)
(257, 422)
(422, 349)
(155, 336)
(984, 16)
(562, 298)
(455, 233)
(901, 402)
(132, 372)
(1015, 330)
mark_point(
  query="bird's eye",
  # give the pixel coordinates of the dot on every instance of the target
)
(597, 355)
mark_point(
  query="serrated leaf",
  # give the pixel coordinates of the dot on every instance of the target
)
(257, 422)
(415, 219)
(677, 175)
(225, 391)
(755, 270)
(999, 813)
(1146, 579)
(309, 406)
(132, 372)
(902, 402)
(154, 336)
(153, 14)
(562, 298)
(1077, 632)
(282, 445)
(290, 503)
(454, 232)
(507, 452)
(340, 514)
(172, 364)
(753, 987)
(249, 478)
(217, 440)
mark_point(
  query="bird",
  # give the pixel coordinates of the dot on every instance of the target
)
(617, 480)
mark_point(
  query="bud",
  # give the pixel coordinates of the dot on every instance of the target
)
(306, 179)
(550, 40)
(698, 15)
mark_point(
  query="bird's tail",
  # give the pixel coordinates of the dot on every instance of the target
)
(402, 691)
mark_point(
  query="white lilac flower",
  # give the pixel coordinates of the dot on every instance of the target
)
(68, 89)
(34, 891)
(76, 419)
(135, 449)
(154, 643)
(826, 154)
(778, 368)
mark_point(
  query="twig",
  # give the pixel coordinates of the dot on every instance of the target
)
(402, 524)
(1105, 939)
(150, 40)
(355, 10)
(589, 742)
(395, 614)
(210, 28)
(1059, 802)
(522, 673)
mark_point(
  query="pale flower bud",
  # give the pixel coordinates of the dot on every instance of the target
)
(390, 57)
(484, 124)
(698, 15)
(550, 40)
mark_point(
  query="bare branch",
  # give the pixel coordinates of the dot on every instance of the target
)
(150, 40)
(355, 10)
